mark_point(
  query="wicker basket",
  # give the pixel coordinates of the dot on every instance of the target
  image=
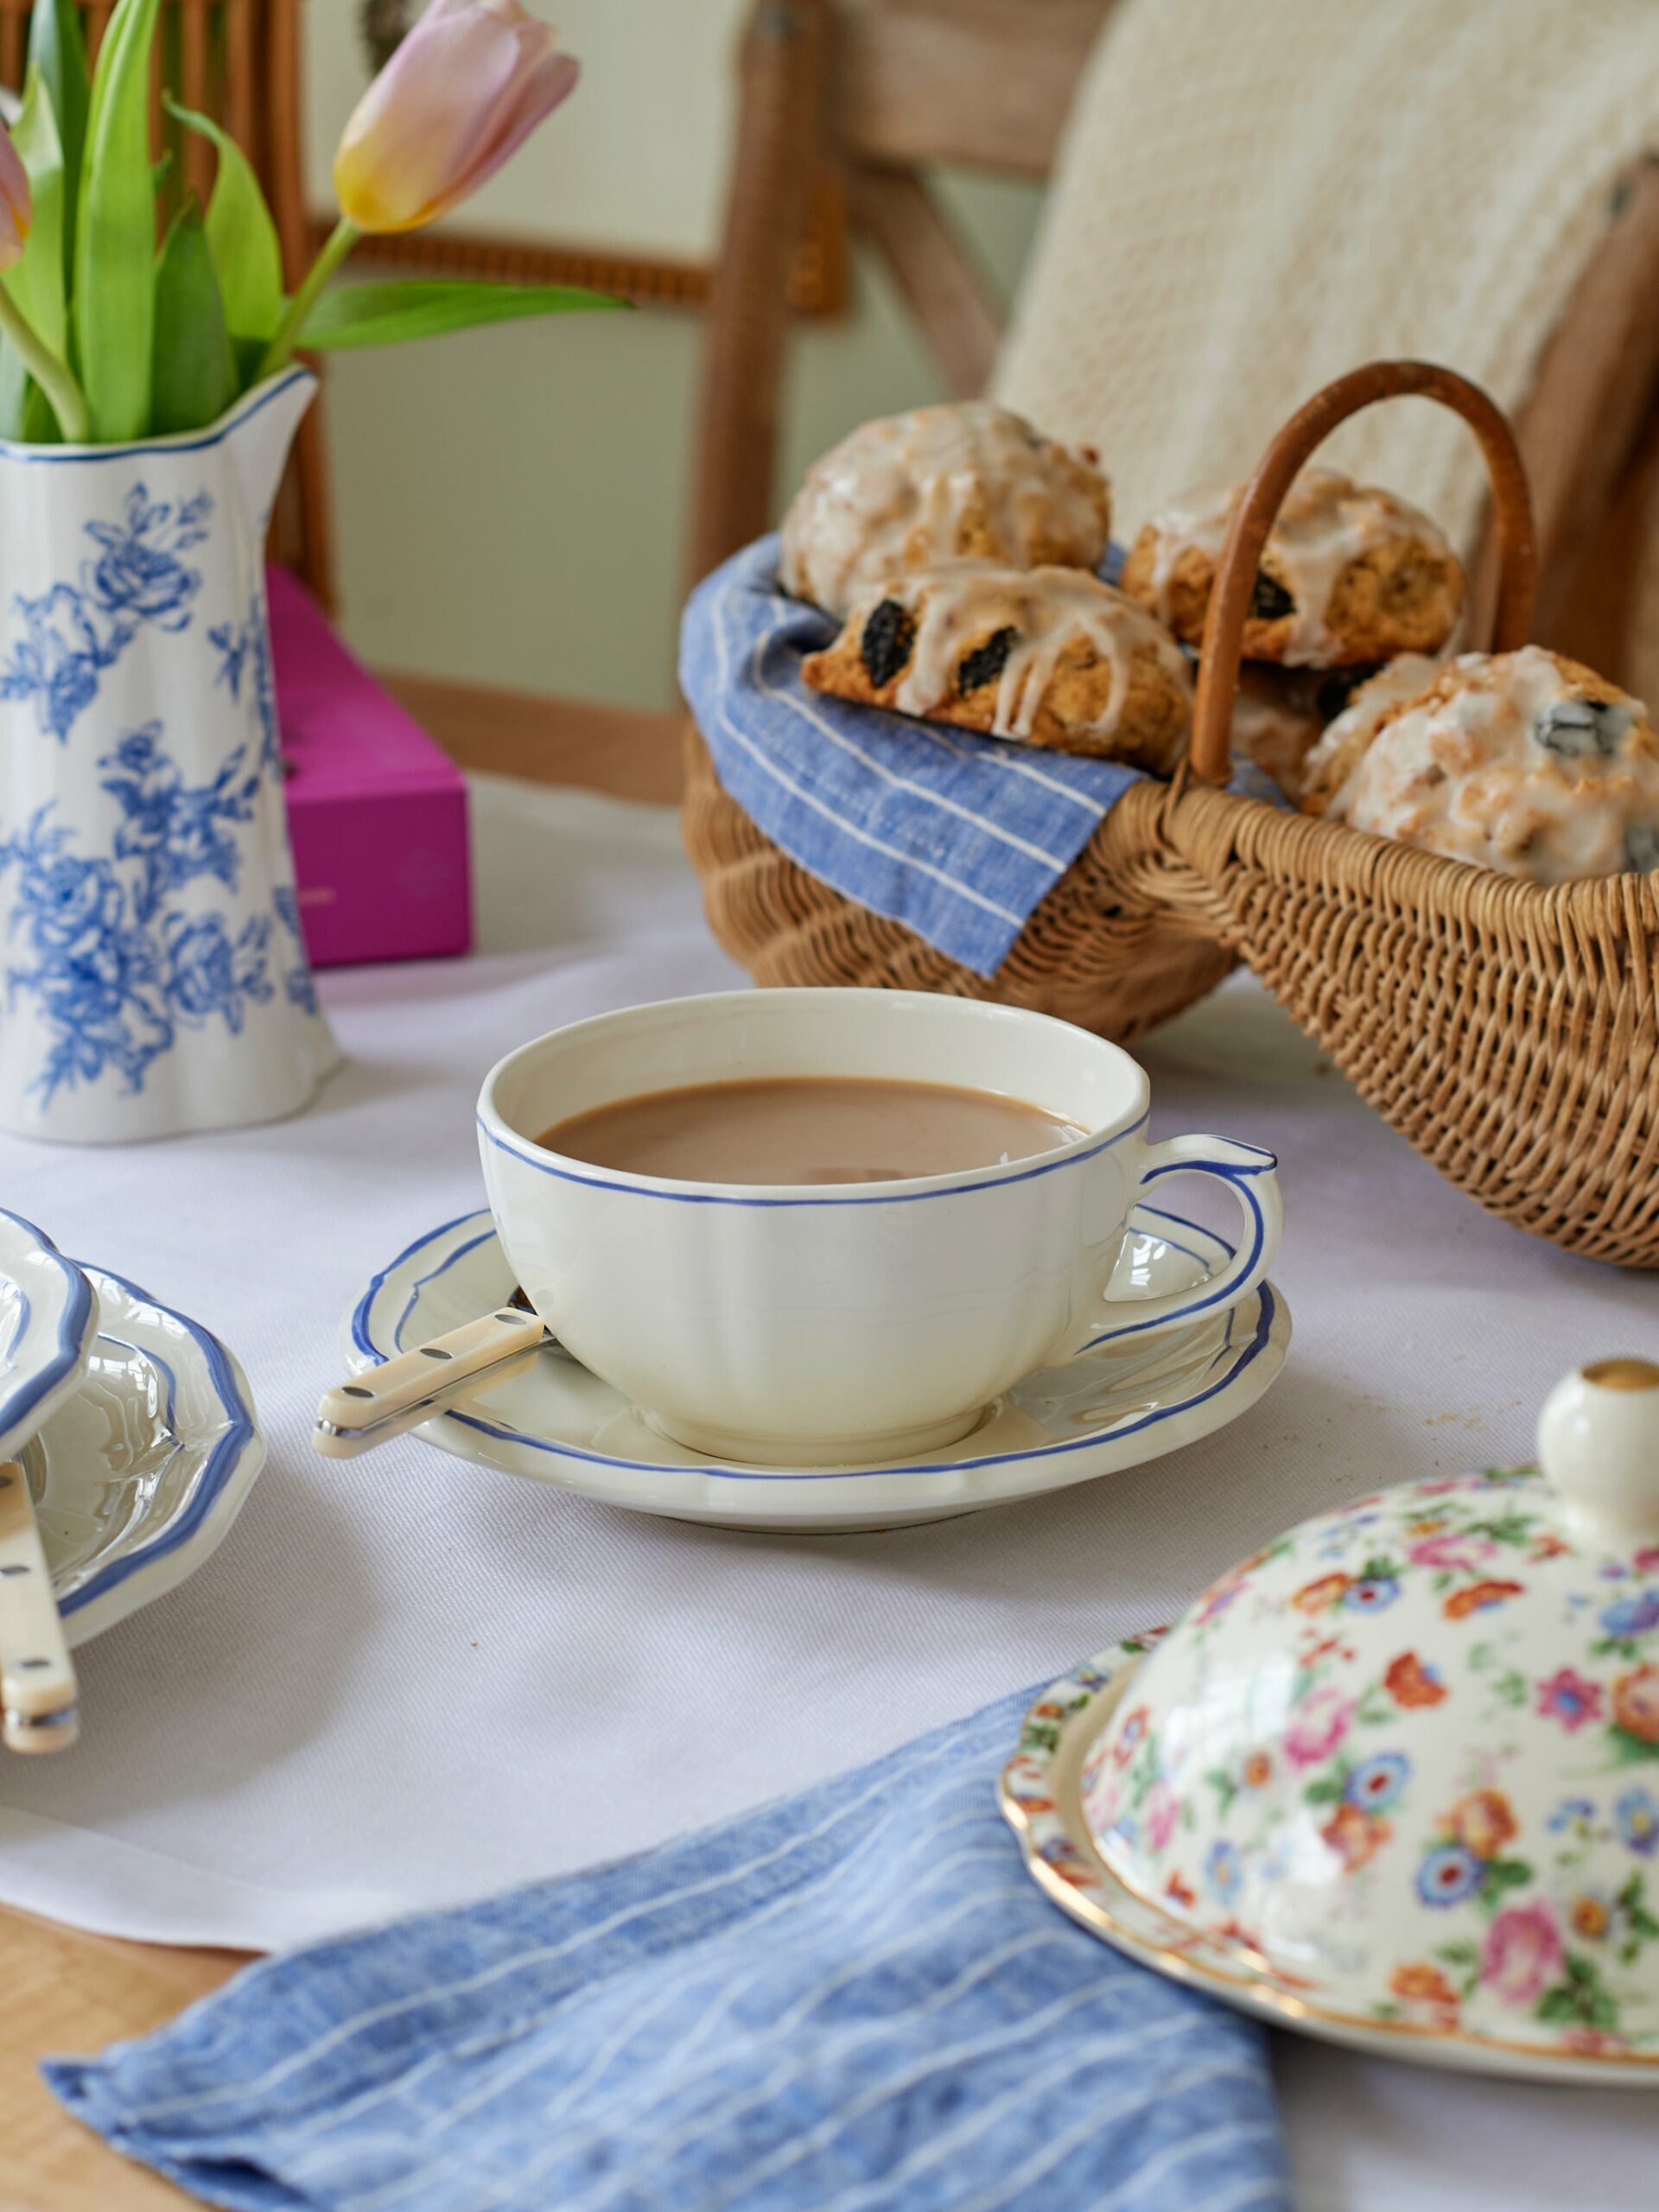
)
(1508, 1031)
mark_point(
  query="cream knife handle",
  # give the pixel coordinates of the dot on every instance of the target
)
(37, 1682)
(379, 1393)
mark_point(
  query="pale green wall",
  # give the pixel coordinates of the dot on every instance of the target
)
(510, 505)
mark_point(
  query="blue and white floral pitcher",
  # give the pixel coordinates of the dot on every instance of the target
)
(153, 978)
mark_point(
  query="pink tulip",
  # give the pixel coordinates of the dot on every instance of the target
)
(16, 208)
(462, 93)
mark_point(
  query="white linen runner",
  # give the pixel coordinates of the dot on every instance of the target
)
(405, 1680)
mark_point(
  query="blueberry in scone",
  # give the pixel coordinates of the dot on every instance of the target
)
(987, 662)
(1579, 730)
(1270, 600)
(884, 643)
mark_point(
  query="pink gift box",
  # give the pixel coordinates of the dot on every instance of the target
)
(377, 811)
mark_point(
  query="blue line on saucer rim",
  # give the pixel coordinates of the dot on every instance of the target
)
(717, 1471)
(240, 1432)
(76, 1317)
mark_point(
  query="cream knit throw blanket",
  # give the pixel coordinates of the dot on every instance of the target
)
(1254, 196)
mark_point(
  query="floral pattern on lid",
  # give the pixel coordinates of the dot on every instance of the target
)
(1410, 1752)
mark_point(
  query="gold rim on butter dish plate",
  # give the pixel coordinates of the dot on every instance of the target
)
(1041, 1799)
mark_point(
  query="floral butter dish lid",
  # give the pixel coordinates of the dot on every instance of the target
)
(1405, 1758)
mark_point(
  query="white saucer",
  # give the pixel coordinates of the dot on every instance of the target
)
(48, 1317)
(139, 1472)
(1041, 1796)
(1115, 1407)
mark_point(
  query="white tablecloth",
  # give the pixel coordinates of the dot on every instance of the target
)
(405, 1680)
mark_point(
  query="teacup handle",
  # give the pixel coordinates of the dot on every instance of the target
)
(1251, 1176)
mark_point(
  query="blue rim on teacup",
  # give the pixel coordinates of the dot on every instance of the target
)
(500, 1129)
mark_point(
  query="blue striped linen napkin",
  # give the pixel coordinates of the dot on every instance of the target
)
(851, 2001)
(957, 836)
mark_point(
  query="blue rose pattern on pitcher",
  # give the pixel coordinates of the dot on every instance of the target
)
(174, 833)
(302, 991)
(211, 973)
(245, 648)
(112, 976)
(75, 631)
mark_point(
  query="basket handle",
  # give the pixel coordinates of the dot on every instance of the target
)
(1307, 429)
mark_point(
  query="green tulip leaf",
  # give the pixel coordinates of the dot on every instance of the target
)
(57, 48)
(391, 314)
(25, 411)
(250, 354)
(36, 281)
(242, 235)
(194, 378)
(15, 388)
(115, 232)
(41, 425)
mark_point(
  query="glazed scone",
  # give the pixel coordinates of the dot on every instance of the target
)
(1349, 574)
(1346, 736)
(969, 481)
(1523, 762)
(1052, 657)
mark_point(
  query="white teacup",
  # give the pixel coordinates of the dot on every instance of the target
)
(819, 1326)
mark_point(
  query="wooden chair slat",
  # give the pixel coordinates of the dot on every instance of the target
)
(1596, 383)
(302, 516)
(936, 275)
(984, 82)
(241, 107)
(195, 89)
(782, 68)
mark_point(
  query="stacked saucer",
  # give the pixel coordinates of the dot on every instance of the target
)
(133, 1427)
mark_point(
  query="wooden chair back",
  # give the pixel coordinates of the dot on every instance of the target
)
(879, 90)
(886, 90)
(238, 61)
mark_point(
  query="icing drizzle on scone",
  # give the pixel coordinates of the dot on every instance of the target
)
(994, 649)
(1347, 734)
(1049, 610)
(1326, 524)
(939, 484)
(1523, 762)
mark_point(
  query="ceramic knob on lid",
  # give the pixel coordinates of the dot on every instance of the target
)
(1598, 1448)
(1405, 1759)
